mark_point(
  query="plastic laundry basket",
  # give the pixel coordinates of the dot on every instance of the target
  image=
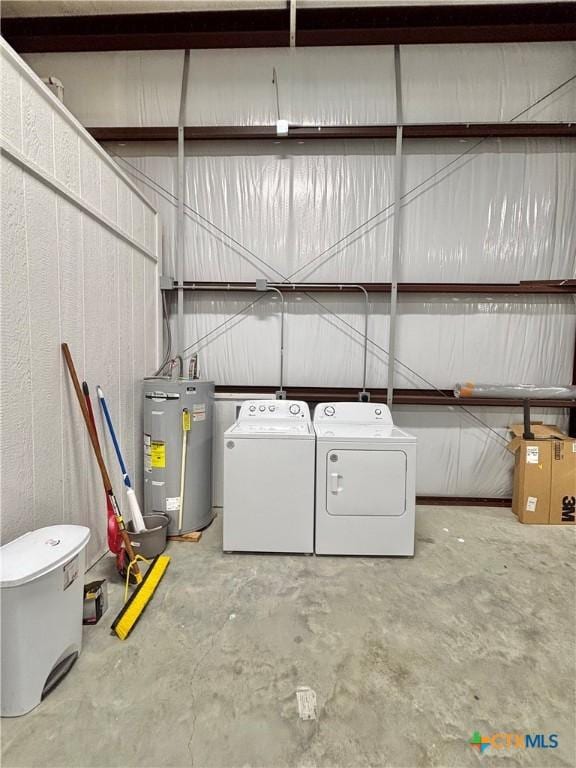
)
(41, 581)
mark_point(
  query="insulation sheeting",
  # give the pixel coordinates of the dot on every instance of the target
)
(117, 88)
(490, 211)
(79, 265)
(504, 212)
(495, 211)
(459, 454)
(317, 86)
(485, 83)
(440, 341)
(14, 8)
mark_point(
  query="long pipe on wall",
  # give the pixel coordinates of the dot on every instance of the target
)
(310, 286)
(193, 287)
(396, 224)
(181, 178)
(279, 288)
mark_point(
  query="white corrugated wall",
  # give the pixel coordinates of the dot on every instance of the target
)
(79, 264)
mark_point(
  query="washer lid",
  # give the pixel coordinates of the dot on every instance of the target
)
(348, 431)
(39, 552)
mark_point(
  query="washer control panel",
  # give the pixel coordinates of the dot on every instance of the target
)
(274, 409)
(366, 413)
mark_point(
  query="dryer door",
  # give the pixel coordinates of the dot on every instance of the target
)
(366, 483)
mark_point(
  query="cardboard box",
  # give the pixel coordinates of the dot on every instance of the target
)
(544, 476)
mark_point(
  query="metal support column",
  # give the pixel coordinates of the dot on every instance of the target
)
(292, 23)
(396, 228)
(180, 250)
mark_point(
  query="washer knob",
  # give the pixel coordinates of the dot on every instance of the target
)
(294, 408)
(252, 408)
(262, 408)
(378, 412)
(329, 410)
(271, 407)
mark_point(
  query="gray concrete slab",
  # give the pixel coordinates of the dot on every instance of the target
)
(408, 657)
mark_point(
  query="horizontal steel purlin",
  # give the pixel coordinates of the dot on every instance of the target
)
(337, 132)
(429, 397)
(393, 24)
(559, 287)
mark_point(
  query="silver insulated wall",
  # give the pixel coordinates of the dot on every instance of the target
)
(168, 405)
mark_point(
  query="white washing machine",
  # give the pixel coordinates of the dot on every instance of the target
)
(269, 462)
(365, 481)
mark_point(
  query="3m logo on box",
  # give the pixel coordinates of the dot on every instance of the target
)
(569, 509)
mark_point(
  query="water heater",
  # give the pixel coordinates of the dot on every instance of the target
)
(177, 426)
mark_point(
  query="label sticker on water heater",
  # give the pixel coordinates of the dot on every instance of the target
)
(158, 454)
(147, 453)
(172, 503)
(199, 412)
(532, 454)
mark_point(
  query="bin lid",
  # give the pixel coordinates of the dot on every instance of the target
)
(39, 552)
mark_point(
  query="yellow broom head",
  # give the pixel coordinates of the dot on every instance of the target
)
(139, 599)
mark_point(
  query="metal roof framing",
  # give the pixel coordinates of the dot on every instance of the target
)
(529, 287)
(429, 397)
(338, 132)
(389, 25)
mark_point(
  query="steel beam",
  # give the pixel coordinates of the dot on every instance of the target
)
(572, 417)
(338, 132)
(181, 225)
(396, 226)
(464, 501)
(418, 397)
(385, 25)
(548, 288)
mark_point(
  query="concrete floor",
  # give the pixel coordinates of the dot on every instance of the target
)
(407, 656)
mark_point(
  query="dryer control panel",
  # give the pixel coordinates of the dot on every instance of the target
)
(255, 410)
(365, 413)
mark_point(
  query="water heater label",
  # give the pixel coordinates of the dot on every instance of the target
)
(172, 503)
(532, 454)
(158, 454)
(199, 412)
(147, 453)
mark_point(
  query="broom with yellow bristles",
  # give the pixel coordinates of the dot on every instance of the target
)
(145, 586)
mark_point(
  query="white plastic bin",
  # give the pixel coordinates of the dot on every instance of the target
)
(41, 581)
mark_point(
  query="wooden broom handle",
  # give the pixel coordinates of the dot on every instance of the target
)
(96, 445)
(89, 426)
